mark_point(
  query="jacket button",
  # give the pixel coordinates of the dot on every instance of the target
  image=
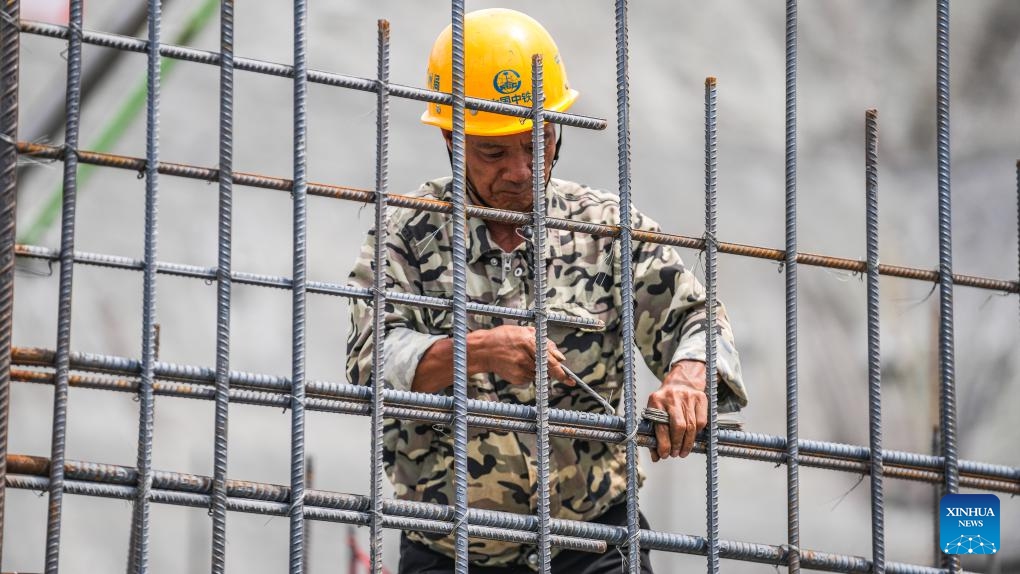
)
(533, 560)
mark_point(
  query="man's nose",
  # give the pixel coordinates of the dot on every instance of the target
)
(519, 170)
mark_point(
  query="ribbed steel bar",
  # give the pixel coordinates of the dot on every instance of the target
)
(139, 554)
(95, 479)
(379, 295)
(538, 268)
(299, 287)
(196, 500)
(314, 76)
(459, 217)
(1017, 235)
(10, 54)
(317, 287)
(58, 439)
(591, 426)
(627, 285)
(790, 266)
(874, 346)
(712, 447)
(354, 404)
(947, 360)
(368, 196)
(223, 288)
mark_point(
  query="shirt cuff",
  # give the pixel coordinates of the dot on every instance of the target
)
(727, 364)
(403, 352)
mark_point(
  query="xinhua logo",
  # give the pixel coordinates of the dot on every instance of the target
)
(969, 524)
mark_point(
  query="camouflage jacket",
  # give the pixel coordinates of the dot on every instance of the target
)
(583, 281)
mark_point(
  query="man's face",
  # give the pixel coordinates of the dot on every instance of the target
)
(499, 167)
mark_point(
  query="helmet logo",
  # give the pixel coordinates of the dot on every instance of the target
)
(506, 81)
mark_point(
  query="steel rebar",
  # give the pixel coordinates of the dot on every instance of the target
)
(604, 230)
(711, 386)
(314, 76)
(300, 257)
(58, 438)
(874, 345)
(790, 268)
(947, 361)
(379, 296)
(105, 480)
(538, 269)
(223, 289)
(594, 425)
(633, 561)
(459, 248)
(10, 54)
(139, 547)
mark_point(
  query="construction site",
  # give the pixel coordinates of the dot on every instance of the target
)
(187, 185)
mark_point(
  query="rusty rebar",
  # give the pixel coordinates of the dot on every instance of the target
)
(135, 164)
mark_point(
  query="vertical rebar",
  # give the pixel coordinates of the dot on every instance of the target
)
(58, 439)
(297, 413)
(627, 285)
(874, 346)
(1017, 250)
(711, 386)
(139, 557)
(10, 53)
(382, 127)
(223, 287)
(538, 184)
(790, 265)
(459, 218)
(947, 367)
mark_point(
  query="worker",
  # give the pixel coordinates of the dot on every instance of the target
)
(588, 480)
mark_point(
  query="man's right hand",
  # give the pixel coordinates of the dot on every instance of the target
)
(509, 352)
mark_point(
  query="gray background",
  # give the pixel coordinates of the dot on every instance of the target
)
(853, 55)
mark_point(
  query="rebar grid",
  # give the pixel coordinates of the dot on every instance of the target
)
(148, 377)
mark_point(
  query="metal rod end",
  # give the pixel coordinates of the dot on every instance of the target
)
(384, 26)
(710, 82)
(871, 113)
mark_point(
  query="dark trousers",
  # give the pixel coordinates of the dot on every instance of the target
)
(417, 558)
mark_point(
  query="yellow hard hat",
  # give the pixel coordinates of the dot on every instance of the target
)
(498, 45)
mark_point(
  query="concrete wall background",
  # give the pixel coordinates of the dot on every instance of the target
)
(853, 56)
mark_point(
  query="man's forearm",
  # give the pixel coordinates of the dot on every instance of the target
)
(435, 370)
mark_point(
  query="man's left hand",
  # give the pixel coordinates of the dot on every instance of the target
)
(682, 395)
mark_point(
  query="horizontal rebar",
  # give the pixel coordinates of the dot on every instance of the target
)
(195, 382)
(40, 151)
(322, 288)
(180, 490)
(131, 44)
(105, 480)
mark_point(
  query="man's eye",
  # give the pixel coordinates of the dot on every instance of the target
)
(493, 155)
